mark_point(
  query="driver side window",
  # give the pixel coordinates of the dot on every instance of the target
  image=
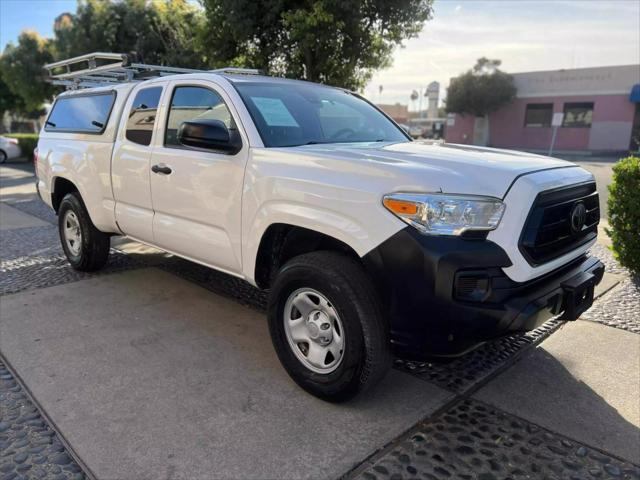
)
(194, 103)
(337, 117)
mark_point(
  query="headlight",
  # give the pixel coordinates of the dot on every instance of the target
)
(440, 214)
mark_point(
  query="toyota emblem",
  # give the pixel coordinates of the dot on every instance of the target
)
(577, 217)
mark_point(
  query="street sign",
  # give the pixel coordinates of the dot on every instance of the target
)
(556, 122)
(557, 119)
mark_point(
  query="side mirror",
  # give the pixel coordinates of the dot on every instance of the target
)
(210, 135)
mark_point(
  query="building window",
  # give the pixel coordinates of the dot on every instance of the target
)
(577, 114)
(538, 115)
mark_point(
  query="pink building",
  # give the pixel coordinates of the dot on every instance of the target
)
(601, 108)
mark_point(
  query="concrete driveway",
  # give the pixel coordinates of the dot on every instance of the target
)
(179, 381)
(158, 368)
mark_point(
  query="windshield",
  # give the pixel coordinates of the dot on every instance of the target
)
(290, 114)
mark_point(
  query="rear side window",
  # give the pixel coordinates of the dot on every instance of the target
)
(81, 113)
(142, 116)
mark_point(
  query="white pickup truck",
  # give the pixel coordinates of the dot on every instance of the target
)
(369, 243)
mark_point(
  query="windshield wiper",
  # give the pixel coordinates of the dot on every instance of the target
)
(51, 124)
(316, 142)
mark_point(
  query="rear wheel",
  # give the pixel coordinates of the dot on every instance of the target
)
(86, 247)
(327, 326)
(3, 156)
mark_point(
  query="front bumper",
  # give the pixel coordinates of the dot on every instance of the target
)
(418, 276)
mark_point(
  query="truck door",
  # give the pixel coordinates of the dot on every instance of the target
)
(130, 174)
(197, 192)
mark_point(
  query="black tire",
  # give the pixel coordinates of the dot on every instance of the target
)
(93, 249)
(366, 353)
(3, 156)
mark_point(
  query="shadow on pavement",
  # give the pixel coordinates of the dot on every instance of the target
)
(591, 396)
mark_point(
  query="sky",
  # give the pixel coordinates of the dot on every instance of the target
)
(525, 35)
(38, 15)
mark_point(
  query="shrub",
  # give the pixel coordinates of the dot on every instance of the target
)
(624, 212)
(27, 142)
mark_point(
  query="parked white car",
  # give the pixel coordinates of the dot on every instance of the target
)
(369, 243)
(9, 148)
(416, 131)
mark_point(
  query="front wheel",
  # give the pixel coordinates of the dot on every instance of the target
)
(86, 247)
(327, 327)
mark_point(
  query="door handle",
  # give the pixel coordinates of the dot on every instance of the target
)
(161, 168)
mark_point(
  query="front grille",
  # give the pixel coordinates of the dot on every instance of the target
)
(548, 232)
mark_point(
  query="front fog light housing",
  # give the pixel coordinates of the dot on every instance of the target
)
(472, 286)
(440, 214)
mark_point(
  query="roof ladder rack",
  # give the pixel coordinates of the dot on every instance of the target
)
(238, 71)
(100, 69)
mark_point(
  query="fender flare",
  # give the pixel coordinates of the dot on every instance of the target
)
(63, 175)
(97, 215)
(333, 224)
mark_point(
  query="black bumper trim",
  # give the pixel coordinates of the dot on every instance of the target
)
(415, 275)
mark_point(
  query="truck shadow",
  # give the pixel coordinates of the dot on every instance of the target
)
(542, 389)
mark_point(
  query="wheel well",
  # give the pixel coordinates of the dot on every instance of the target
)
(61, 187)
(281, 242)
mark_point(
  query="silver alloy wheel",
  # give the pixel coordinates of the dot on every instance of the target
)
(72, 233)
(314, 330)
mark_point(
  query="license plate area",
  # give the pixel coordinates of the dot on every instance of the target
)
(578, 295)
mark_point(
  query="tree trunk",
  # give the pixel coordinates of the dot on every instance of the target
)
(309, 63)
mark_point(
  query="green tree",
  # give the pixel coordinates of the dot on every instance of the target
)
(158, 32)
(478, 92)
(481, 90)
(22, 72)
(339, 42)
(177, 25)
(9, 101)
(624, 213)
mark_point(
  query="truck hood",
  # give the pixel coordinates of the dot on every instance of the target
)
(449, 168)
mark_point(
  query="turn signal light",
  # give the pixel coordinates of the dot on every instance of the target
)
(401, 207)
